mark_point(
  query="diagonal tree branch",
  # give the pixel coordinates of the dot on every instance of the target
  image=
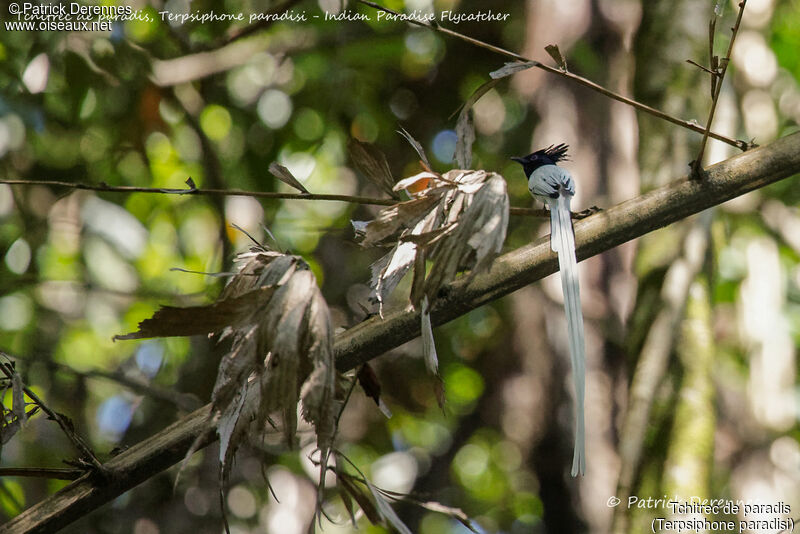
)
(599, 232)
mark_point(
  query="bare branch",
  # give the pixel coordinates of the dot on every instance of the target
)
(594, 234)
(716, 82)
(183, 401)
(199, 65)
(742, 145)
(198, 191)
(57, 473)
(704, 69)
(105, 188)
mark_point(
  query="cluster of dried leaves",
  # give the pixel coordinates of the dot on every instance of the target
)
(279, 330)
(457, 220)
(278, 326)
(17, 415)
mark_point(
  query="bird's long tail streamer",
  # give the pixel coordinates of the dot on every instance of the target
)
(562, 241)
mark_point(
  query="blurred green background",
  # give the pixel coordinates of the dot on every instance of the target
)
(153, 103)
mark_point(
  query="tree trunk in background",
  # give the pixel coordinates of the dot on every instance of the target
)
(670, 32)
(602, 135)
(690, 456)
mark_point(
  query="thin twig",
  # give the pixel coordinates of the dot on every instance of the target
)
(57, 473)
(713, 61)
(344, 404)
(105, 188)
(742, 145)
(183, 401)
(197, 191)
(697, 164)
(701, 67)
(79, 444)
(268, 20)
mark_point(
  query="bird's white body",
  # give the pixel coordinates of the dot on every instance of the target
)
(555, 187)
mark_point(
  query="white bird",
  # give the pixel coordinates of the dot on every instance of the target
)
(555, 187)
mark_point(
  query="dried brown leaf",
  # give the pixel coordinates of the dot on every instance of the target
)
(318, 392)
(416, 146)
(226, 425)
(368, 381)
(373, 164)
(428, 238)
(347, 501)
(285, 175)
(417, 182)
(511, 68)
(478, 237)
(428, 345)
(459, 223)
(18, 398)
(438, 389)
(280, 349)
(465, 132)
(465, 136)
(235, 367)
(555, 53)
(455, 513)
(199, 320)
(363, 500)
(418, 281)
(398, 217)
(390, 269)
(385, 509)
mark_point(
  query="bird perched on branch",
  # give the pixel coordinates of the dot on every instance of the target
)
(555, 187)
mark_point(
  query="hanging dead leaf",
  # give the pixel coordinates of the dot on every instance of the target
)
(372, 387)
(169, 321)
(465, 136)
(511, 68)
(416, 146)
(278, 326)
(457, 223)
(18, 398)
(555, 53)
(465, 131)
(284, 175)
(373, 165)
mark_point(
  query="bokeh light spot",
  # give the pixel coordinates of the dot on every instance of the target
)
(444, 145)
(216, 122)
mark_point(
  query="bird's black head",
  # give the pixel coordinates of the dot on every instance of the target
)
(546, 156)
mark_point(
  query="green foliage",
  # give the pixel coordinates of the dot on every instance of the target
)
(785, 39)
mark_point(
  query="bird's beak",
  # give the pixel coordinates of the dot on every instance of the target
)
(518, 160)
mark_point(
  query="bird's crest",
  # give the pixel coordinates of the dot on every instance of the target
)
(555, 152)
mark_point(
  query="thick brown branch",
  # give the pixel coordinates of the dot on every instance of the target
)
(594, 234)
